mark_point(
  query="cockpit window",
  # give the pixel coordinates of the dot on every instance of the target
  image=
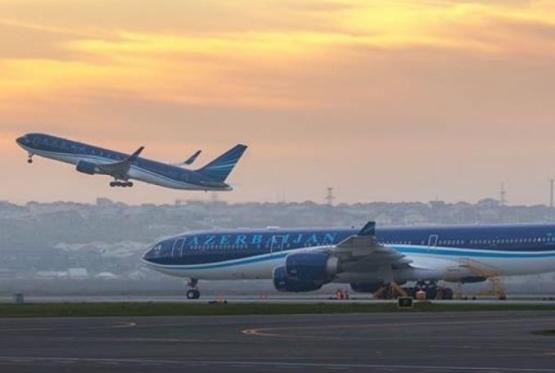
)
(166, 250)
(154, 252)
(177, 250)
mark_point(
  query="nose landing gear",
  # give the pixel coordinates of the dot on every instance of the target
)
(193, 293)
(30, 158)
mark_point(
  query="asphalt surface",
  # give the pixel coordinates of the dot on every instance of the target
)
(395, 342)
(274, 298)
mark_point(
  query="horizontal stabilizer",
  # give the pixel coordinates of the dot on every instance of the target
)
(192, 158)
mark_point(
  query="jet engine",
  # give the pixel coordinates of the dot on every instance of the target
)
(88, 168)
(473, 279)
(305, 272)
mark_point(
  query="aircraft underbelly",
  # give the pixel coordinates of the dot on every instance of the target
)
(150, 177)
(252, 271)
(422, 267)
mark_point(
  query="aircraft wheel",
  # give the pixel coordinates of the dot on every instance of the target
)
(431, 293)
(448, 293)
(193, 294)
(113, 184)
(29, 161)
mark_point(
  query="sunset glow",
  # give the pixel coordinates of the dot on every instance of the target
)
(433, 84)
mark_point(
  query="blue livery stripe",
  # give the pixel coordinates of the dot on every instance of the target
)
(403, 249)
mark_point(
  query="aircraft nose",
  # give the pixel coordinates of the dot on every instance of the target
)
(23, 140)
(147, 256)
(152, 253)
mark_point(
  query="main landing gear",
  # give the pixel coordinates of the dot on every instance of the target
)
(430, 290)
(425, 289)
(123, 184)
(193, 292)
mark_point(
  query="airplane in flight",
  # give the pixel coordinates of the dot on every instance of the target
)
(302, 260)
(93, 160)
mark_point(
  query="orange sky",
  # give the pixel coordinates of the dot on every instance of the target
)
(385, 100)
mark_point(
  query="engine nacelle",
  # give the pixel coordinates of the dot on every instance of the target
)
(473, 279)
(88, 168)
(305, 272)
(282, 282)
(367, 287)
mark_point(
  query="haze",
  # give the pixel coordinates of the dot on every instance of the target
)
(392, 100)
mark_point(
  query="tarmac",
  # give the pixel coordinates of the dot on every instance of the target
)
(276, 299)
(396, 342)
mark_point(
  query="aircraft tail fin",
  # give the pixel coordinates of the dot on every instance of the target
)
(220, 168)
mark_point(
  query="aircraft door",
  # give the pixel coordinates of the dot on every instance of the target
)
(277, 242)
(432, 241)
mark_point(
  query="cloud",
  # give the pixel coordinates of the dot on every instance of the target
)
(311, 85)
(261, 66)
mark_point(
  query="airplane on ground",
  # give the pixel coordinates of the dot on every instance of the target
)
(122, 167)
(302, 260)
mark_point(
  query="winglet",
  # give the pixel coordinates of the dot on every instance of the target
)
(368, 230)
(192, 158)
(133, 157)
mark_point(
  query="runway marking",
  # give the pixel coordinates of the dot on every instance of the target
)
(137, 340)
(26, 330)
(124, 325)
(5, 360)
(115, 326)
(267, 332)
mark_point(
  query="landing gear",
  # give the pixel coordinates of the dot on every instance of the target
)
(424, 289)
(193, 293)
(429, 287)
(121, 184)
(30, 158)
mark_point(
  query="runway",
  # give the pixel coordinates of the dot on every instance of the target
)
(274, 298)
(395, 342)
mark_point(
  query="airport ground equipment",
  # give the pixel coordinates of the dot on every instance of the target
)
(492, 275)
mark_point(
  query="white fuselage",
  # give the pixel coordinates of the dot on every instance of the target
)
(427, 263)
(135, 172)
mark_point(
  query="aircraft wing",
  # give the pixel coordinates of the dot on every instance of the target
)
(120, 169)
(362, 252)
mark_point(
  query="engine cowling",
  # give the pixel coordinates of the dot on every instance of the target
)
(88, 168)
(305, 272)
(473, 279)
(367, 287)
